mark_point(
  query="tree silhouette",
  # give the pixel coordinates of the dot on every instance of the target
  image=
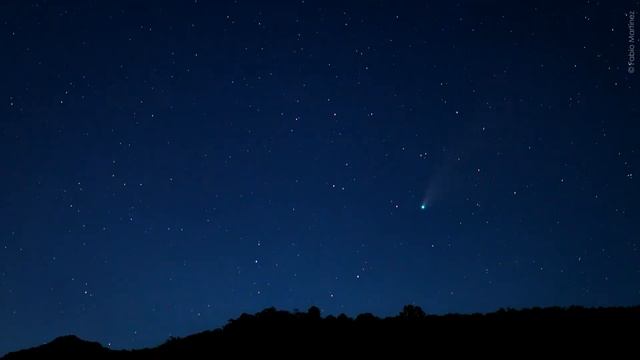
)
(278, 332)
(314, 313)
(412, 312)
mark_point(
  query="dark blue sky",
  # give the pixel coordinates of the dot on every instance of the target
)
(167, 165)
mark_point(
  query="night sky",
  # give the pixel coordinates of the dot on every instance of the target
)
(168, 165)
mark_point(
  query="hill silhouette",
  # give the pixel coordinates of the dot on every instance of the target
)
(303, 334)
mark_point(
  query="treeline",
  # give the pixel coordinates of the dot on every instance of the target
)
(308, 334)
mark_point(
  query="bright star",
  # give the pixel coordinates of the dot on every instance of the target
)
(423, 206)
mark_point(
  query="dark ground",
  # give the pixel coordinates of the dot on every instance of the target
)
(548, 332)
